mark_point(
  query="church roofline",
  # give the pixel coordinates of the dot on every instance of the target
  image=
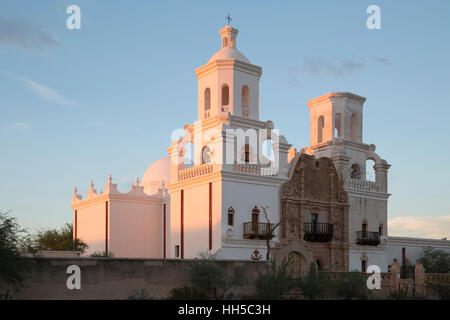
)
(329, 96)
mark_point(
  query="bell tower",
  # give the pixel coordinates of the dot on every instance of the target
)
(336, 115)
(336, 122)
(228, 82)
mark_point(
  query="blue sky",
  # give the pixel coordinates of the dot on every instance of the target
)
(78, 104)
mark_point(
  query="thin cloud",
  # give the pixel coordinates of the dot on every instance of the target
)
(43, 91)
(26, 35)
(22, 125)
(420, 227)
(337, 66)
(18, 126)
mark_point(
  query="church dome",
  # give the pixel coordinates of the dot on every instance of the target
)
(228, 53)
(158, 171)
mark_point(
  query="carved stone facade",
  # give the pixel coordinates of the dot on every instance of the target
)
(314, 213)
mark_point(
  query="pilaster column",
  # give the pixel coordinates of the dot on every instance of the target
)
(381, 174)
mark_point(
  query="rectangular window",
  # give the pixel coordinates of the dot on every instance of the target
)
(380, 229)
(177, 251)
(363, 265)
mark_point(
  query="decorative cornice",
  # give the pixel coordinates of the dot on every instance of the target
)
(228, 64)
(332, 95)
(154, 199)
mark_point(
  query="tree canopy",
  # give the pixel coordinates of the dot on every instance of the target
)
(58, 240)
(14, 268)
(435, 260)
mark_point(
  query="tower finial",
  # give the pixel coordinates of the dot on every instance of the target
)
(136, 182)
(75, 190)
(92, 185)
(228, 19)
(109, 178)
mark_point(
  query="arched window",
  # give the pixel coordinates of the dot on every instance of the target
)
(225, 95)
(320, 127)
(370, 170)
(225, 42)
(206, 158)
(353, 126)
(245, 97)
(207, 99)
(337, 125)
(355, 171)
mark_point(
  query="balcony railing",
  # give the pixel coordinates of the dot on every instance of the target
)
(195, 172)
(317, 232)
(255, 169)
(257, 230)
(363, 185)
(367, 238)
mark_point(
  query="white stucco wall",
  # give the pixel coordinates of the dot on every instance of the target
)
(413, 247)
(91, 226)
(136, 229)
(375, 256)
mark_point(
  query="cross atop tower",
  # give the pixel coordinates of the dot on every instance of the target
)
(229, 19)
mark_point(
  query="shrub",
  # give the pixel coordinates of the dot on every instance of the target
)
(209, 281)
(187, 293)
(313, 284)
(442, 289)
(275, 283)
(351, 285)
(400, 294)
(139, 295)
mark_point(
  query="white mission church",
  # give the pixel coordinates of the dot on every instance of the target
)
(329, 211)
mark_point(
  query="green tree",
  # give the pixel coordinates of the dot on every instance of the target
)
(59, 240)
(14, 268)
(435, 260)
(274, 284)
(313, 284)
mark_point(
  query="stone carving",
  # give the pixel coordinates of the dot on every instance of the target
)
(314, 179)
(314, 188)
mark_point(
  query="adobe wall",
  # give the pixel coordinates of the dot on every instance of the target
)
(113, 278)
